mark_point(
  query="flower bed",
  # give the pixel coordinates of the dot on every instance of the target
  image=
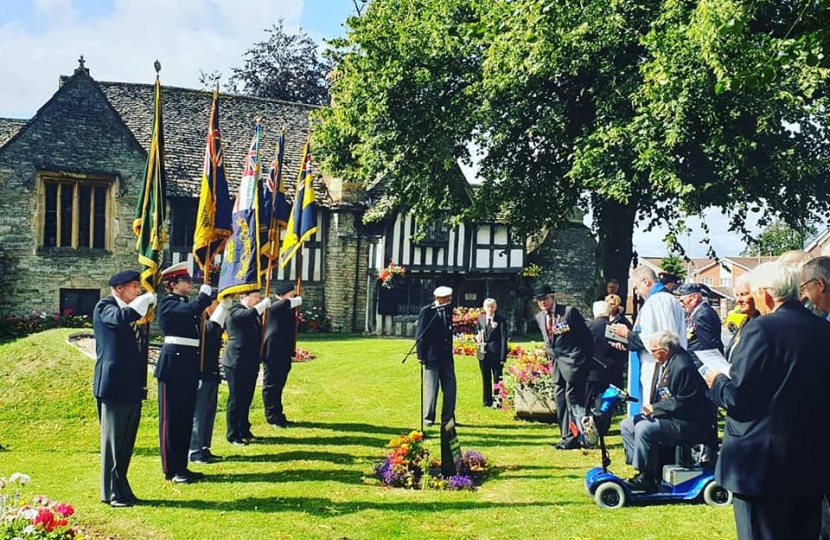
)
(527, 386)
(464, 320)
(40, 519)
(15, 326)
(410, 465)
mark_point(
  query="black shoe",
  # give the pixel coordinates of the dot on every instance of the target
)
(249, 437)
(643, 483)
(195, 476)
(201, 460)
(180, 479)
(572, 444)
(238, 442)
(118, 503)
(429, 423)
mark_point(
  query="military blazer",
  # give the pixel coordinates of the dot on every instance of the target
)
(495, 338)
(120, 364)
(569, 350)
(775, 442)
(244, 327)
(178, 317)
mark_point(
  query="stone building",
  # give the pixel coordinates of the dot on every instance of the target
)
(69, 182)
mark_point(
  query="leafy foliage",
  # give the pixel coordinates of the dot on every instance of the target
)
(674, 265)
(776, 239)
(285, 66)
(642, 112)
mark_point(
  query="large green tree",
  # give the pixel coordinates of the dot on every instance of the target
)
(778, 238)
(641, 111)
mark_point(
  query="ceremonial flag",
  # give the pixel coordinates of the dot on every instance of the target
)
(302, 222)
(274, 209)
(213, 219)
(240, 266)
(148, 224)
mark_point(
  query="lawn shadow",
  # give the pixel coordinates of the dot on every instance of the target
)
(324, 507)
(343, 476)
(360, 427)
(299, 455)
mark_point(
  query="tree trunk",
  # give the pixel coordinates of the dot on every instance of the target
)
(615, 228)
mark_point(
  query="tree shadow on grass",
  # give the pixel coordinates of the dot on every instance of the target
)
(318, 506)
(299, 455)
(343, 476)
(342, 440)
(360, 427)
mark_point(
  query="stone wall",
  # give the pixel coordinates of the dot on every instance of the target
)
(346, 271)
(76, 134)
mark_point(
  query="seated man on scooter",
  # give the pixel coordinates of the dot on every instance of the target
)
(679, 412)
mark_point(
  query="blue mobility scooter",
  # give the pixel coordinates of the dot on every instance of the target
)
(680, 482)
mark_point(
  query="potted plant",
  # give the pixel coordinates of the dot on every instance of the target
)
(527, 386)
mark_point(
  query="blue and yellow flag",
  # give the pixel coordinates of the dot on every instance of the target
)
(148, 224)
(302, 222)
(240, 267)
(274, 208)
(213, 219)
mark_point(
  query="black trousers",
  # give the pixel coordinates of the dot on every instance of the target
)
(204, 418)
(764, 518)
(241, 387)
(570, 397)
(274, 377)
(177, 402)
(491, 373)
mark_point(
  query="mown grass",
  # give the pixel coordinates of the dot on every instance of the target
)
(307, 482)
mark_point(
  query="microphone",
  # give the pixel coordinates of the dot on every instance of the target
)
(439, 306)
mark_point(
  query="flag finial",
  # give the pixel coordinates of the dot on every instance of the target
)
(157, 65)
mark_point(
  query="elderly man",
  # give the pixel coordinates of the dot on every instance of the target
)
(661, 311)
(278, 352)
(669, 281)
(746, 305)
(678, 411)
(120, 382)
(606, 363)
(569, 346)
(702, 322)
(491, 335)
(434, 348)
(773, 456)
(178, 370)
(241, 363)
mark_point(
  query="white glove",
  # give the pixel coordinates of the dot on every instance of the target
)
(206, 289)
(297, 301)
(220, 313)
(227, 302)
(143, 303)
(263, 305)
(199, 387)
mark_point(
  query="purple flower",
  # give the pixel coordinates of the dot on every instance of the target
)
(460, 482)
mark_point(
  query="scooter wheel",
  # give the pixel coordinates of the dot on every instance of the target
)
(716, 495)
(610, 495)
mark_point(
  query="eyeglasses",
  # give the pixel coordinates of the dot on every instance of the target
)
(804, 285)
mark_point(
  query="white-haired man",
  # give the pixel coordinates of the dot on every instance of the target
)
(434, 348)
(773, 456)
(661, 311)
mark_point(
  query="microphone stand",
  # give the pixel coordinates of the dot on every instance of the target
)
(420, 333)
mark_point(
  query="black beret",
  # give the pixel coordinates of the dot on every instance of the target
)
(666, 277)
(125, 276)
(541, 291)
(285, 288)
(689, 288)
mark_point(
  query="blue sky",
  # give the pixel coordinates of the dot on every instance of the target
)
(41, 40)
(120, 39)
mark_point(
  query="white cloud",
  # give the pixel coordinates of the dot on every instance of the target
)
(185, 35)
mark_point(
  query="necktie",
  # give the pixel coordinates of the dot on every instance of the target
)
(655, 382)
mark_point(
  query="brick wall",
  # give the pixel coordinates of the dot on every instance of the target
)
(346, 268)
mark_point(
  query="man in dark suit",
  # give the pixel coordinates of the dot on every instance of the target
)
(605, 366)
(703, 326)
(241, 362)
(177, 370)
(434, 349)
(679, 412)
(207, 394)
(569, 347)
(120, 381)
(278, 352)
(491, 336)
(774, 449)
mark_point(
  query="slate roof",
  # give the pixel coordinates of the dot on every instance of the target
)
(9, 128)
(186, 113)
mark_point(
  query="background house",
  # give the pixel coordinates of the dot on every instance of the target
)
(69, 182)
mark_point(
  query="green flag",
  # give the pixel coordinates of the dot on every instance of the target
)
(150, 211)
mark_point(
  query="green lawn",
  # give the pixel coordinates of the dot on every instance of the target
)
(307, 481)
